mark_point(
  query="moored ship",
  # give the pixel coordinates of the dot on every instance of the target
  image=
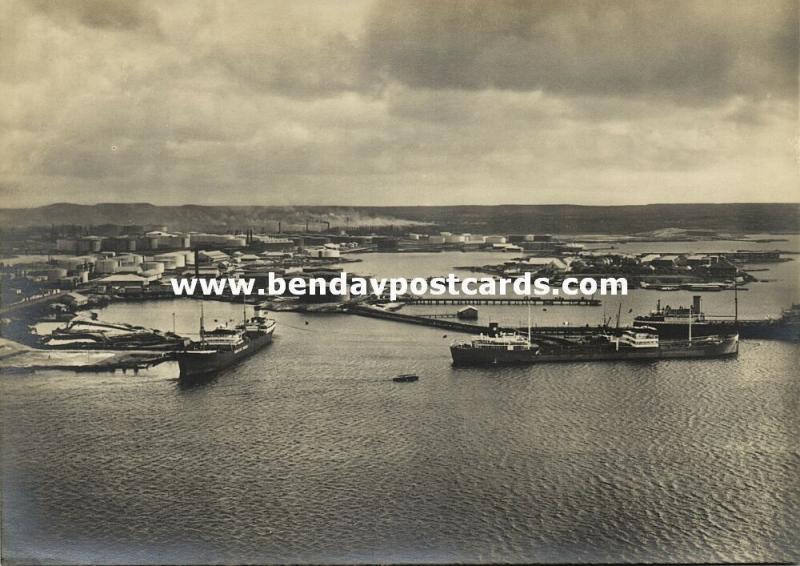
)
(223, 347)
(682, 322)
(678, 322)
(498, 348)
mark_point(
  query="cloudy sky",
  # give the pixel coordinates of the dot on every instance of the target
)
(398, 102)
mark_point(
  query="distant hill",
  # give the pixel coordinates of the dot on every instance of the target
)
(564, 219)
(574, 219)
(196, 217)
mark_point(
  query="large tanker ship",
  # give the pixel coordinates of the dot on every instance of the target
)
(681, 322)
(224, 347)
(499, 348)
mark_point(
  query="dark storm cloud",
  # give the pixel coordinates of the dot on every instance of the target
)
(678, 49)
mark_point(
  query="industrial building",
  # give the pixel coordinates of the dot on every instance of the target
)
(467, 313)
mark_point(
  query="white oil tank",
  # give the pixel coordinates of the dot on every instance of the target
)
(106, 266)
(130, 259)
(155, 266)
(177, 260)
(56, 273)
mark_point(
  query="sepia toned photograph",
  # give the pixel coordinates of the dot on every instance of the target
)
(399, 282)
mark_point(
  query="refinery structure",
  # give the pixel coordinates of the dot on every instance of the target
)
(114, 260)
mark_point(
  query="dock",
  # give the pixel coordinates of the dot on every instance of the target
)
(446, 324)
(17, 358)
(748, 329)
(134, 361)
(31, 303)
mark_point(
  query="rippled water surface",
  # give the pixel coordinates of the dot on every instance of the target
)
(307, 452)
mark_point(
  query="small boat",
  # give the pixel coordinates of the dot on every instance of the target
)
(406, 378)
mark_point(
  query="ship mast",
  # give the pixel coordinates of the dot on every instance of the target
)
(529, 319)
(690, 324)
(197, 276)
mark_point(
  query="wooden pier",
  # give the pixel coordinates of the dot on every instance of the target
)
(374, 312)
(31, 303)
(447, 323)
(125, 361)
(28, 360)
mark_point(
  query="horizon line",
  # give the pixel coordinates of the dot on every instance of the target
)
(141, 203)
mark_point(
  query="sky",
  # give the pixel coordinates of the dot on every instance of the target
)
(398, 102)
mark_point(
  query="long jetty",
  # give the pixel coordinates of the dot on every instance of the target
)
(125, 361)
(28, 361)
(749, 329)
(446, 324)
(35, 302)
(449, 324)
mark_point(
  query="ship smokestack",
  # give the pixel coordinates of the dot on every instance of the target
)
(696, 304)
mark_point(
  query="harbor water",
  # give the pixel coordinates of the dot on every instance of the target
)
(309, 452)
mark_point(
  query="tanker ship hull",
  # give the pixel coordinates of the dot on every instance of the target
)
(464, 355)
(197, 363)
